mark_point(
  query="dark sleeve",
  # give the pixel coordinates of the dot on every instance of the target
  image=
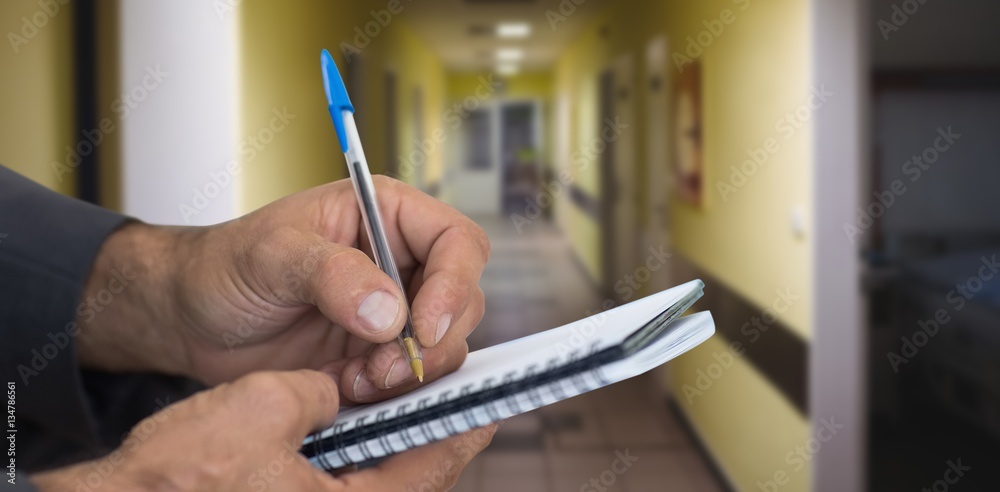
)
(47, 245)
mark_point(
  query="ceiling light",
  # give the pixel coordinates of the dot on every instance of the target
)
(513, 29)
(508, 69)
(510, 54)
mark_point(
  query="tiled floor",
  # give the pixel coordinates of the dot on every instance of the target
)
(533, 283)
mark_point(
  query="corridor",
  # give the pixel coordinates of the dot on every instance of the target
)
(533, 283)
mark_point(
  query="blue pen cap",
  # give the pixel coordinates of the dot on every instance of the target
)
(336, 96)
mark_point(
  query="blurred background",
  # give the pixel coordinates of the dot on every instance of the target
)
(827, 167)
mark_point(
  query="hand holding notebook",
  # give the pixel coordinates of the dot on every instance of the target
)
(518, 376)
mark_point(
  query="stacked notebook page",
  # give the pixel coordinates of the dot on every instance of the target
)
(518, 376)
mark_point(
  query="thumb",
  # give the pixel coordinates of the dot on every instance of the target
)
(344, 283)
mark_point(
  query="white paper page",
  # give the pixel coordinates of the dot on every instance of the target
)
(683, 335)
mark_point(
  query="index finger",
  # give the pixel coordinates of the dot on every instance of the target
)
(451, 247)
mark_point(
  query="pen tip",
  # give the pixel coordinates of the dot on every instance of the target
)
(418, 369)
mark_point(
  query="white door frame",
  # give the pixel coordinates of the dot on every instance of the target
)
(838, 353)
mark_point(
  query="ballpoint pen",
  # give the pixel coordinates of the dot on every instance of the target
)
(342, 112)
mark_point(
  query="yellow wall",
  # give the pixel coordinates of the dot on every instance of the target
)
(757, 70)
(415, 66)
(751, 80)
(36, 93)
(526, 85)
(283, 74)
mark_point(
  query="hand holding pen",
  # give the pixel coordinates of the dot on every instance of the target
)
(342, 113)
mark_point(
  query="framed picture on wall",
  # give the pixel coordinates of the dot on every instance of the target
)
(687, 155)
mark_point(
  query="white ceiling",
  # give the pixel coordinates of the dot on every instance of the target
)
(447, 25)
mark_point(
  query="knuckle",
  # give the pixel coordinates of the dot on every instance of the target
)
(380, 362)
(344, 258)
(479, 297)
(382, 180)
(261, 249)
(478, 305)
(334, 264)
(456, 356)
(480, 238)
(269, 390)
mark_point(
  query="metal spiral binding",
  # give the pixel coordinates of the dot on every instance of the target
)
(507, 405)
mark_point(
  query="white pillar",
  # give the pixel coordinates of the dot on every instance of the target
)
(837, 353)
(178, 111)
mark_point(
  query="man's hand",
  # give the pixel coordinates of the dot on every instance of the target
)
(246, 435)
(286, 288)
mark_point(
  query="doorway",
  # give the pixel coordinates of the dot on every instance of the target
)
(519, 156)
(475, 179)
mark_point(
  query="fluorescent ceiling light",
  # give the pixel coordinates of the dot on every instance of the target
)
(510, 54)
(513, 29)
(508, 69)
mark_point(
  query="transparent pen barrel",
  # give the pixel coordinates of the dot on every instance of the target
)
(371, 216)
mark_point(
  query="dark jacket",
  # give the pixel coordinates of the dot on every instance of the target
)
(57, 413)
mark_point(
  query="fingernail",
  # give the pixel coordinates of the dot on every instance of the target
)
(379, 310)
(443, 323)
(363, 388)
(398, 374)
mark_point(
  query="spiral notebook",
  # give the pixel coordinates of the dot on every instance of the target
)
(519, 376)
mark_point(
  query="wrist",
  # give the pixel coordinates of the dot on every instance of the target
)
(127, 314)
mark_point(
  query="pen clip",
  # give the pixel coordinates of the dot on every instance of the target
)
(336, 96)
